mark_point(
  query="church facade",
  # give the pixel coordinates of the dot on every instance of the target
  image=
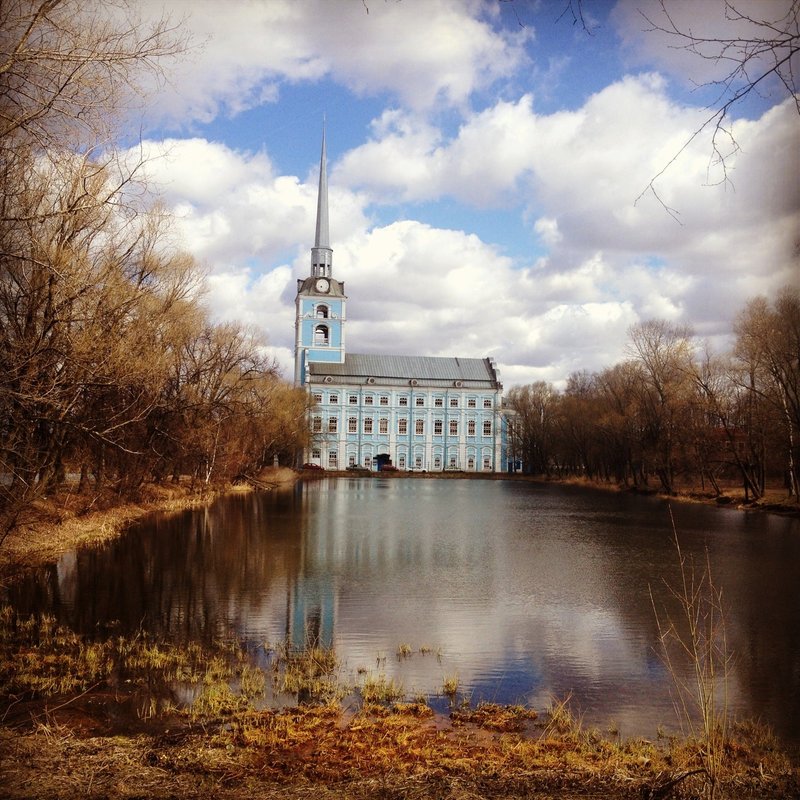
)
(379, 411)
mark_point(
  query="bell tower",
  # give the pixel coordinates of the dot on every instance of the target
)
(320, 301)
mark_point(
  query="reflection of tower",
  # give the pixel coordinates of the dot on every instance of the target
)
(310, 613)
(310, 594)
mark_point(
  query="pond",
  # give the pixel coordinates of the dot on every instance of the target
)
(521, 592)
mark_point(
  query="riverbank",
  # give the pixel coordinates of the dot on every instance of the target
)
(69, 520)
(775, 500)
(99, 720)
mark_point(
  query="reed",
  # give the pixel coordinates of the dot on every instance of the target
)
(697, 634)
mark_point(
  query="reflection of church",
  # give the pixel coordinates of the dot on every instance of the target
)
(414, 412)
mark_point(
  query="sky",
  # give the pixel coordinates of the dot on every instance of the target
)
(488, 165)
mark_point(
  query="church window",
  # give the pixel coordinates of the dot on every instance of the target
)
(471, 463)
(453, 461)
(321, 336)
(419, 400)
(333, 399)
(352, 424)
(472, 402)
(369, 400)
(316, 425)
(487, 427)
(368, 462)
(332, 424)
(333, 459)
(367, 424)
(487, 402)
(403, 401)
(437, 427)
(453, 402)
(402, 427)
(384, 401)
(418, 462)
(352, 399)
(454, 427)
(437, 462)
(471, 427)
(438, 402)
(419, 427)
(383, 425)
(401, 461)
(487, 463)
(351, 460)
(317, 397)
(322, 312)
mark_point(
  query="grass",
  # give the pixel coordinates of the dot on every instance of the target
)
(378, 689)
(450, 686)
(404, 650)
(226, 745)
(311, 673)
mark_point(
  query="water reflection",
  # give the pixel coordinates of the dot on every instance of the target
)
(525, 592)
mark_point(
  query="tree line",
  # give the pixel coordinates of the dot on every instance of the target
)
(673, 413)
(112, 371)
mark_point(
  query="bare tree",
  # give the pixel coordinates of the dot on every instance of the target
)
(768, 353)
(69, 297)
(533, 423)
(664, 353)
(70, 69)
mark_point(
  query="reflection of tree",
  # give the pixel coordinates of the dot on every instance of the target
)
(204, 574)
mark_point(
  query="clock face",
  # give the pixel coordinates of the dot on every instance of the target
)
(322, 285)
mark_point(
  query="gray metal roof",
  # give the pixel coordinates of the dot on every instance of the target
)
(357, 368)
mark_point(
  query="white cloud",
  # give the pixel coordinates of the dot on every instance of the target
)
(571, 180)
(421, 51)
(547, 229)
(231, 208)
(408, 159)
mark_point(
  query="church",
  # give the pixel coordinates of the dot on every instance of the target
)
(387, 411)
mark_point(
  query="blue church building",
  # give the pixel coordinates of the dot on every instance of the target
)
(371, 411)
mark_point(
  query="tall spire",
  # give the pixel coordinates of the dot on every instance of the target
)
(321, 253)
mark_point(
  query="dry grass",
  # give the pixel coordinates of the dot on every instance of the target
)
(225, 746)
(388, 753)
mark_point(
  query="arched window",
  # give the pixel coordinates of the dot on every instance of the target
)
(321, 336)
(322, 311)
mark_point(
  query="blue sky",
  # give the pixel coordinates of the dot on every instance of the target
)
(485, 160)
